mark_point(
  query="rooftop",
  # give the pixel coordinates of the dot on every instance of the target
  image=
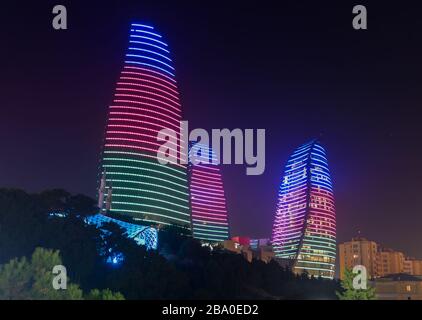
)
(400, 277)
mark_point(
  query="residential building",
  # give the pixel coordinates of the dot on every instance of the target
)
(358, 251)
(398, 287)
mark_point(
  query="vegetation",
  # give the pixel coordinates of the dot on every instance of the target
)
(21, 279)
(348, 292)
(181, 268)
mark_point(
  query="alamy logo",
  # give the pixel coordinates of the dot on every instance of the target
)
(221, 140)
(360, 20)
(360, 280)
(60, 281)
(60, 20)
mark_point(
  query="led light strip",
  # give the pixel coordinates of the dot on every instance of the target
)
(146, 98)
(162, 166)
(145, 72)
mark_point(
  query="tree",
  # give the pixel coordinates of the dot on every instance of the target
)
(82, 205)
(106, 294)
(181, 268)
(171, 238)
(53, 200)
(350, 293)
(14, 279)
(76, 241)
(20, 224)
(21, 279)
(118, 245)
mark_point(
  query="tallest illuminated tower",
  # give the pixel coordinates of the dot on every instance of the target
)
(146, 100)
(304, 231)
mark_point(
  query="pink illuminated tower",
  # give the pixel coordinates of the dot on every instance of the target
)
(208, 202)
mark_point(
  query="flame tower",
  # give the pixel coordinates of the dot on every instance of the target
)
(208, 202)
(304, 231)
(146, 100)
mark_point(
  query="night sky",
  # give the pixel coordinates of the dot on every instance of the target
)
(298, 70)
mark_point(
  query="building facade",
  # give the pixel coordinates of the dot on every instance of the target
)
(304, 230)
(359, 251)
(398, 287)
(412, 266)
(257, 243)
(143, 235)
(378, 260)
(146, 100)
(208, 201)
(389, 262)
(258, 249)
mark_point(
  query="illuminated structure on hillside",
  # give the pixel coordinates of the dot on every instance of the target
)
(146, 100)
(208, 202)
(304, 231)
(143, 235)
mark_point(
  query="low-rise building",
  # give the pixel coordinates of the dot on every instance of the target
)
(398, 287)
(378, 260)
(389, 262)
(259, 249)
(256, 243)
(236, 247)
(359, 251)
(413, 266)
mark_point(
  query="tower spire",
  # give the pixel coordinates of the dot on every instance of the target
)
(101, 191)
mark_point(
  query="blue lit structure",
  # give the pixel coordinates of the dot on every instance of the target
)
(304, 231)
(143, 235)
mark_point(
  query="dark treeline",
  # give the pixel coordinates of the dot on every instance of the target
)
(180, 269)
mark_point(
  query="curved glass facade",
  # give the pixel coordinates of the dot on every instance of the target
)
(146, 100)
(304, 231)
(143, 235)
(208, 202)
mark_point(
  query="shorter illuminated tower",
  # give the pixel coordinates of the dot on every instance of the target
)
(208, 202)
(304, 231)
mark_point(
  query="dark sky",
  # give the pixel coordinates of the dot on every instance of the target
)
(297, 70)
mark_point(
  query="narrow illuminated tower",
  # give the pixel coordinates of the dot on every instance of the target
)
(146, 100)
(208, 202)
(304, 231)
